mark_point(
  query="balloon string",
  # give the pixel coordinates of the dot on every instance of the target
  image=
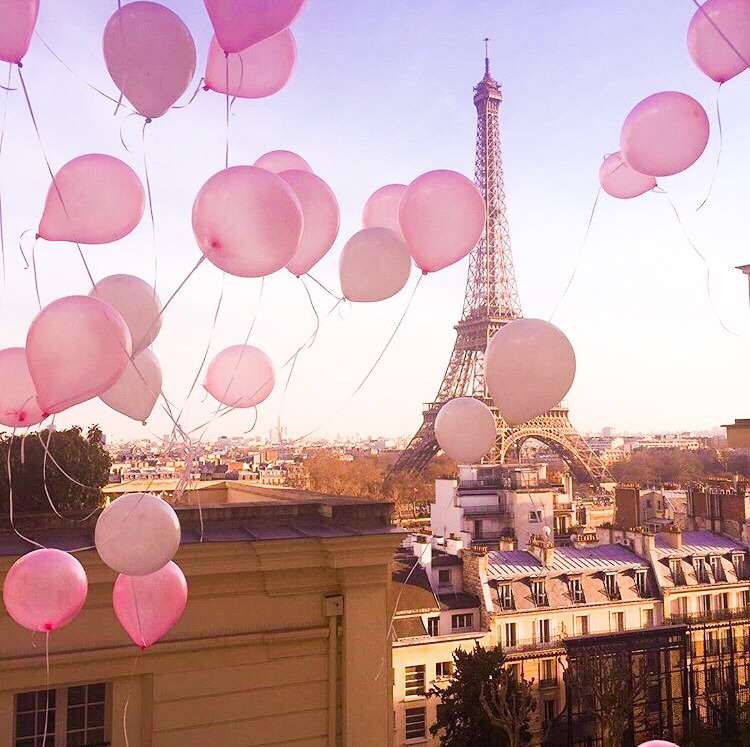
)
(318, 283)
(11, 517)
(2, 140)
(46, 686)
(721, 33)
(718, 155)
(36, 275)
(78, 77)
(192, 98)
(127, 698)
(700, 255)
(49, 166)
(314, 310)
(20, 247)
(150, 201)
(226, 152)
(580, 254)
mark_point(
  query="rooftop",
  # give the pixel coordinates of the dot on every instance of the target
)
(697, 543)
(411, 591)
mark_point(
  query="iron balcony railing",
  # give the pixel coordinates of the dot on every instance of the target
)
(734, 613)
(548, 682)
(555, 641)
(493, 510)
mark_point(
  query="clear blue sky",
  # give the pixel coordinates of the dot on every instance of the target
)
(381, 93)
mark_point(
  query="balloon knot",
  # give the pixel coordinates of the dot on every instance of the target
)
(45, 414)
(143, 422)
(424, 272)
(37, 236)
(142, 646)
(48, 627)
(148, 120)
(21, 417)
(215, 244)
(19, 63)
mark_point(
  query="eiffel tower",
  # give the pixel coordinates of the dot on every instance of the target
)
(491, 301)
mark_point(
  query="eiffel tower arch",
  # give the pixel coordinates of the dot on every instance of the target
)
(491, 301)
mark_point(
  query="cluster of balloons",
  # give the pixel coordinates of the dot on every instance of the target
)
(529, 366)
(137, 536)
(668, 131)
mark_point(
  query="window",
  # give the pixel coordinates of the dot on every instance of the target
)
(542, 630)
(721, 601)
(712, 680)
(539, 593)
(712, 642)
(462, 622)
(582, 625)
(705, 603)
(433, 624)
(616, 621)
(415, 718)
(510, 634)
(701, 571)
(641, 581)
(675, 568)
(610, 586)
(414, 680)
(74, 716)
(443, 669)
(444, 576)
(738, 561)
(653, 698)
(505, 595)
(744, 599)
(547, 673)
(549, 712)
(647, 617)
(716, 568)
(535, 517)
(576, 591)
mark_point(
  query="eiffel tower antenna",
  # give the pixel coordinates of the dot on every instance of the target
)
(491, 300)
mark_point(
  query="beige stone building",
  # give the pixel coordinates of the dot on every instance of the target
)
(283, 642)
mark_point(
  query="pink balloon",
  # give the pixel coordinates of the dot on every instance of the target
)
(381, 209)
(320, 219)
(240, 376)
(240, 23)
(710, 52)
(664, 134)
(282, 160)
(258, 71)
(247, 221)
(619, 180)
(442, 217)
(18, 405)
(150, 55)
(148, 607)
(135, 393)
(103, 201)
(77, 347)
(45, 589)
(18, 22)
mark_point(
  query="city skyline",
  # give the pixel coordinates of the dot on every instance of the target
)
(646, 336)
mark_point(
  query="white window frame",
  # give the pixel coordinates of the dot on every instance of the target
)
(443, 670)
(462, 621)
(675, 569)
(582, 624)
(535, 516)
(716, 569)
(433, 623)
(539, 592)
(511, 626)
(610, 584)
(412, 679)
(701, 570)
(738, 561)
(641, 582)
(505, 595)
(576, 591)
(543, 630)
(614, 617)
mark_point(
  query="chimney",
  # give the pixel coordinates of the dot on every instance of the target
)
(422, 548)
(474, 571)
(542, 548)
(672, 536)
(506, 543)
(627, 506)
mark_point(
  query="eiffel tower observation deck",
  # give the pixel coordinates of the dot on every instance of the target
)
(491, 301)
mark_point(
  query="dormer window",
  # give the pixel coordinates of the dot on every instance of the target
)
(738, 561)
(716, 568)
(444, 577)
(576, 591)
(505, 595)
(610, 586)
(539, 593)
(675, 568)
(701, 570)
(641, 582)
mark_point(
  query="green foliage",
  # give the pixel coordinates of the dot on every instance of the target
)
(462, 720)
(83, 458)
(653, 466)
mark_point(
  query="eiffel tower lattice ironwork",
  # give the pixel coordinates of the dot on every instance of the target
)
(491, 300)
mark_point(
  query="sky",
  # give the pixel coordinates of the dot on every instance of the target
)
(381, 93)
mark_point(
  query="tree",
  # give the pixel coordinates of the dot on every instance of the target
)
(476, 702)
(652, 466)
(83, 458)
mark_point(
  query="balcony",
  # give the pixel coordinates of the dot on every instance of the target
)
(522, 646)
(484, 485)
(548, 682)
(492, 510)
(682, 618)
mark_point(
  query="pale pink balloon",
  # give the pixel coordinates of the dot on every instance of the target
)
(45, 589)
(17, 26)
(77, 347)
(320, 219)
(18, 405)
(240, 23)
(282, 160)
(664, 134)
(240, 376)
(102, 201)
(247, 221)
(138, 304)
(135, 393)
(710, 52)
(374, 265)
(619, 180)
(442, 217)
(150, 55)
(258, 71)
(148, 607)
(381, 208)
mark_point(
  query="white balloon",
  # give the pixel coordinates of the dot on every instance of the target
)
(138, 304)
(374, 265)
(137, 534)
(135, 393)
(658, 743)
(529, 367)
(465, 429)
